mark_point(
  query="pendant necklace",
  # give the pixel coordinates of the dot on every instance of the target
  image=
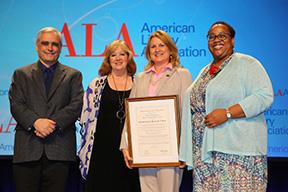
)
(120, 114)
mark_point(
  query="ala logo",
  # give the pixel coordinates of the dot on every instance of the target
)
(8, 128)
(281, 92)
(88, 27)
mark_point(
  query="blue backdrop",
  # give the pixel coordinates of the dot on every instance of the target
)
(88, 26)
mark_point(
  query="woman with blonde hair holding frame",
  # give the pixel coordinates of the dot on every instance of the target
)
(162, 76)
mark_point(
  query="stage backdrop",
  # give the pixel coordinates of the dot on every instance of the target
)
(88, 26)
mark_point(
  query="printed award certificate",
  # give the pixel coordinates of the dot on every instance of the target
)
(153, 130)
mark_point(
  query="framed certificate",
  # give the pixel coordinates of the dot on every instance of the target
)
(153, 130)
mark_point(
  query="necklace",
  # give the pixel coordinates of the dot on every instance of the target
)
(120, 114)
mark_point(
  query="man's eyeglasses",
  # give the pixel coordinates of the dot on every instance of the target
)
(220, 36)
(47, 43)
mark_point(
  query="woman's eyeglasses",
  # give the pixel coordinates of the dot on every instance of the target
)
(221, 36)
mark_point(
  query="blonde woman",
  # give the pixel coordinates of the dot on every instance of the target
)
(162, 76)
(102, 120)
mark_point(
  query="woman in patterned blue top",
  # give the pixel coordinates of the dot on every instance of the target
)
(223, 131)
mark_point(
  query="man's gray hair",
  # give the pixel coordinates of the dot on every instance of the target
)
(47, 30)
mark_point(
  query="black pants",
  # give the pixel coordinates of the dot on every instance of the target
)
(43, 175)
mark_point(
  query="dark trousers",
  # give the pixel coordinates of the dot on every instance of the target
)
(43, 175)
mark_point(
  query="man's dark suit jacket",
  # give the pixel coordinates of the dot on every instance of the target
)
(29, 101)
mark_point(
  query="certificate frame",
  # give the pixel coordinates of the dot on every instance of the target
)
(153, 129)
